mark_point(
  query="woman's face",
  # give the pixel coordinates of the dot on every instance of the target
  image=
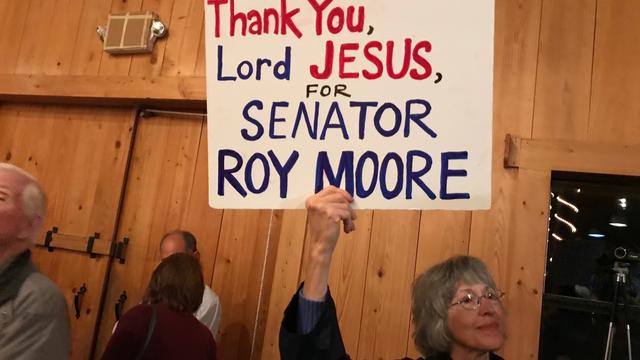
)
(476, 327)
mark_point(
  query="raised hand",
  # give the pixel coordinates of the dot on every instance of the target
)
(326, 210)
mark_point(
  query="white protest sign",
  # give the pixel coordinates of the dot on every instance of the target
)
(391, 100)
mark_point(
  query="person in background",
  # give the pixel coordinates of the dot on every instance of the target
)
(210, 311)
(34, 321)
(457, 311)
(163, 326)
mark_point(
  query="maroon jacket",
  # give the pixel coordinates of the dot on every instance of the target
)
(176, 336)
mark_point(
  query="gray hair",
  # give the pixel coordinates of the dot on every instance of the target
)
(34, 201)
(433, 291)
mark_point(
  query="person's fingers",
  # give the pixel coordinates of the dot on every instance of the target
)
(319, 201)
(336, 198)
(349, 225)
(338, 213)
(332, 190)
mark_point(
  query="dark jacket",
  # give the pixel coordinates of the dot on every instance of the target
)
(324, 342)
(175, 336)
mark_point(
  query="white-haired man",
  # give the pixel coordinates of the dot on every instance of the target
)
(34, 322)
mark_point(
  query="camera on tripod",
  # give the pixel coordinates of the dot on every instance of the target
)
(622, 253)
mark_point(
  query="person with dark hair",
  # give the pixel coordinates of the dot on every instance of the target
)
(163, 326)
(457, 311)
(210, 311)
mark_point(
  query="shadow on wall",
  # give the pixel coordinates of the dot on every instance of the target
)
(235, 342)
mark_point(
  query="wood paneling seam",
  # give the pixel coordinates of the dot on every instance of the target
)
(264, 269)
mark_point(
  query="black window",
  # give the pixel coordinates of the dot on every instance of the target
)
(592, 219)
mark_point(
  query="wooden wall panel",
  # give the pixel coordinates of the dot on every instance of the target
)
(12, 21)
(238, 276)
(563, 84)
(59, 40)
(285, 278)
(442, 234)
(150, 65)
(527, 263)
(515, 61)
(348, 278)
(81, 165)
(615, 107)
(36, 27)
(87, 52)
(384, 326)
(159, 198)
(201, 63)
(187, 22)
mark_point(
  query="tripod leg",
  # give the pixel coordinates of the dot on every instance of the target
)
(626, 316)
(612, 318)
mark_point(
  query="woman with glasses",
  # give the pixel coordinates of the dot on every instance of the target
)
(457, 312)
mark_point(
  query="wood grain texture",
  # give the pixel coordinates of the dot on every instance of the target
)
(187, 23)
(157, 200)
(37, 26)
(517, 32)
(238, 278)
(616, 75)
(87, 52)
(442, 234)
(285, 278)
(102, 88)
(527, 250)
(59, 40)
(578, 156)
(83, 179)
(348, 277)
(12, 23)
(515, 62)
(563, 84)
(384, 327)
(151, 64)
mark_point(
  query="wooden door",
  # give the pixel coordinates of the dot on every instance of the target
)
(80, 156)
(166, 190)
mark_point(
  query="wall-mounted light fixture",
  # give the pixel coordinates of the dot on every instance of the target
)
(131, 33)
(618, 220)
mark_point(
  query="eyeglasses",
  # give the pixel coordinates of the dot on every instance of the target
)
(471, 301)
